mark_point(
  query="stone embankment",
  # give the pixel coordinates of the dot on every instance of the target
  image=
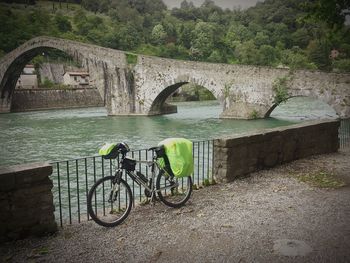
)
(43, 99)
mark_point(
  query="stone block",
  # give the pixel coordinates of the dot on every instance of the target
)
(271, 159)
(25, 174)
(44, 228)
(7, 182)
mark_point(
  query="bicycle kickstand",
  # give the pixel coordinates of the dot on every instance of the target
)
(153, 198)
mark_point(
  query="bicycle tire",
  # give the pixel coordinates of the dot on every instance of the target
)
(98, 197)
(174, 197)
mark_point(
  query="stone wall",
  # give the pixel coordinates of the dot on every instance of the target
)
(26, 201)
(39, 99)
(243, 154)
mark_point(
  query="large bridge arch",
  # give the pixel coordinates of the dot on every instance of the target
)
(16, 66)
(106, 66)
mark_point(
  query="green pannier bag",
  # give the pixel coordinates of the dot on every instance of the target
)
(179, 153)
(109, 151)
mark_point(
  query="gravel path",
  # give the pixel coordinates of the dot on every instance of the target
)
(268, 217)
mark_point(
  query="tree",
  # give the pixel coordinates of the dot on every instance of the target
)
(215, 56)
(301, 37)
(267, 55)
(91, 5)
(149, 6)
(333, 12)
(158, 35)
(296, 58)
(203, 41)
(129, 37)
(185, 34)
(63, 24)
(261, 39)
(247, 53)
(318, 53)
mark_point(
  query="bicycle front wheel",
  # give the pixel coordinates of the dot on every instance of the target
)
(109, 203)
(172, 191)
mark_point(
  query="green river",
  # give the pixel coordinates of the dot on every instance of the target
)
(56, 135)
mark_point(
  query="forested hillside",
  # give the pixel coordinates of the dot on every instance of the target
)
(292, 33)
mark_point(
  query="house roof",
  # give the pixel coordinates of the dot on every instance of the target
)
(76, 73)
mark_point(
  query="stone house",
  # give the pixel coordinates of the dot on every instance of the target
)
(76, 79)
(28, 78)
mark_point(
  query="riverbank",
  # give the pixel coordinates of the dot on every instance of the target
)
(267, 217)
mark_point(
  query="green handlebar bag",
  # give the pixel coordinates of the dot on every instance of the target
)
(179, 153)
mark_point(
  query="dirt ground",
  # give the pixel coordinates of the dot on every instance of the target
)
(269, 216)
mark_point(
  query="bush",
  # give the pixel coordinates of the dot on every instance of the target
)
(341, 65)
(47, 84)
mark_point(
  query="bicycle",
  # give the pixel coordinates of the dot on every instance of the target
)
(110, 199)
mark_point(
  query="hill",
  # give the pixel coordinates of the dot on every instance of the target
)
(272, 33)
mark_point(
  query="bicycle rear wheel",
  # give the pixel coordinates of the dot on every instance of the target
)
(109, 203)
(172, 191)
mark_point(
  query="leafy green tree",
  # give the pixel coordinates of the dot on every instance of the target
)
(129, 38)
(267, 55)
(159, 35)
(238, 32)
(215, 56)
(247, 53)
(296, 58)
(318, 53)
(332, 12)
(62, 22)
(301, 37)
(91, 5)
(149, 6)
(185, 34)
(203, 42)
(261, 39)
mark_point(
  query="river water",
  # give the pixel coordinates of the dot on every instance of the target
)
(56, 135)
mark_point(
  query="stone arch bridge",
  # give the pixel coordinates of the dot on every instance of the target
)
(142, 88)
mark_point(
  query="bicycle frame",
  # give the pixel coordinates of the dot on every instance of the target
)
(150, 184)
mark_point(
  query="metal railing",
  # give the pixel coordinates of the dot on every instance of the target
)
(73, 179)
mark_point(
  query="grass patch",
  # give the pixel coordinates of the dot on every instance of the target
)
(321, 179)
(131, 59)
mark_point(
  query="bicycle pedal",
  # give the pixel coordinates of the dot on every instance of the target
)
(148, 193)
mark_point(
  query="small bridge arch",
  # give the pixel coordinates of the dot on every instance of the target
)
(313, 98)
(158, 104)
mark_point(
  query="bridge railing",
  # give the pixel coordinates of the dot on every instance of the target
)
(73, 179)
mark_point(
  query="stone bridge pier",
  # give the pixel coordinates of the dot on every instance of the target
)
(142, 88)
